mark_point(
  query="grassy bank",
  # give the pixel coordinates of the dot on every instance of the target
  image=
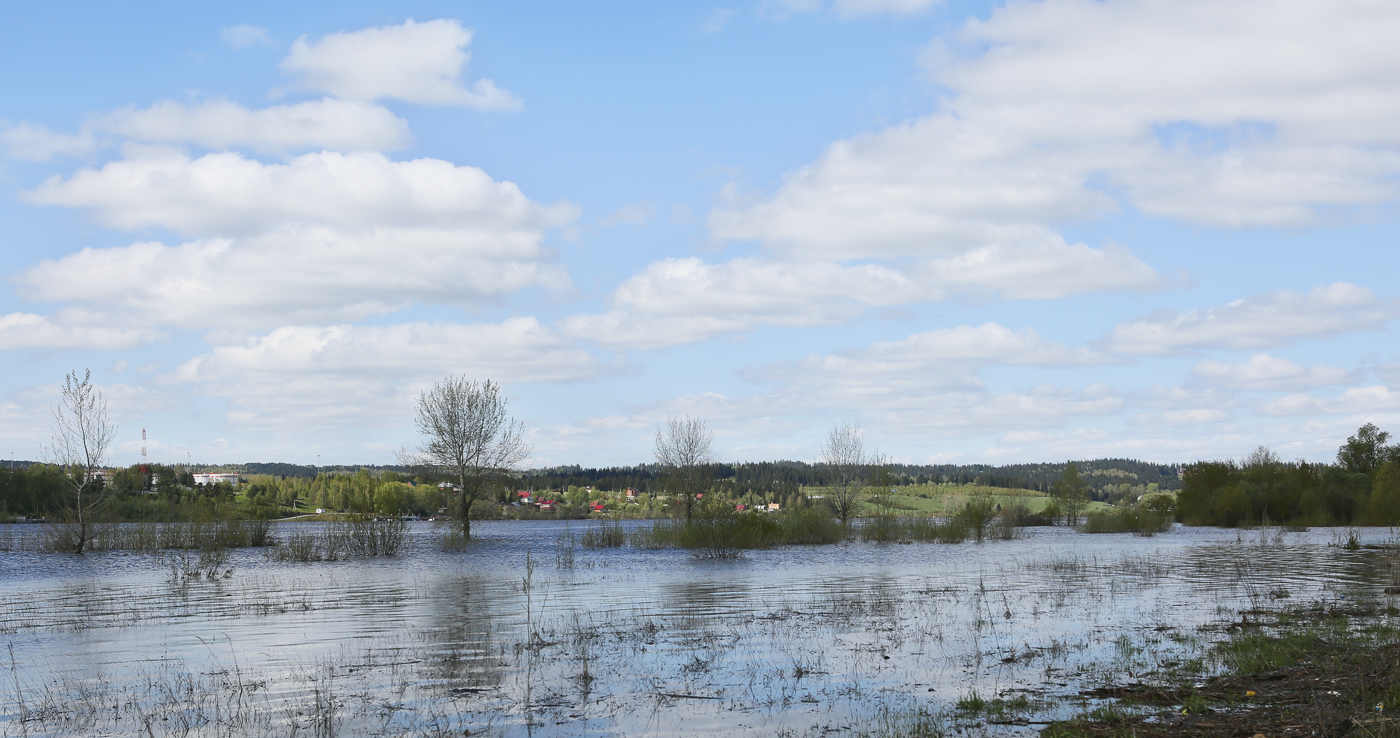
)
(1322, 670)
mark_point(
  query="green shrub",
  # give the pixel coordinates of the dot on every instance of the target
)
(1140, 521)
(977, 516)
(808, 525)
(718, 531)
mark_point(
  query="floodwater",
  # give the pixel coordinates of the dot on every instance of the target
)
(504, 639)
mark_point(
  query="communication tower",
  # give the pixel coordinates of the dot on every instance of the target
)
(145, 469)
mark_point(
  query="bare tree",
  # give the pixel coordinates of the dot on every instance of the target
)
(469, 437)
(844, 455)
(684, 448)
(82, 436)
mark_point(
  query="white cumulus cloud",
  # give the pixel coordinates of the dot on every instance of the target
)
(683, 300)
(227, 193)
(299, 274)
(1244, 114)
(415, 62)
(323, 237)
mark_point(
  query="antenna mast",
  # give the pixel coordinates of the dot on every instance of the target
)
(145, 470)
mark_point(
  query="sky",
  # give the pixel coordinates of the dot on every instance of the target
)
(983, 232)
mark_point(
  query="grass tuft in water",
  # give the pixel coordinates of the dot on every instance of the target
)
(1136, 520)
(604, 534)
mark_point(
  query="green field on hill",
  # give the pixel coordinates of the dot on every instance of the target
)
(941, 499)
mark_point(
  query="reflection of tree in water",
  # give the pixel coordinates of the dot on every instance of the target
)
(466, 648)
(861, 601)
(699, 605)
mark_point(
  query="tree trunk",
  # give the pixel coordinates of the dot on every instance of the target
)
(467, 500)
(81, 514)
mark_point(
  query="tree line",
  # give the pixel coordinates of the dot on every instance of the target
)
(1361, 488)
(471, 442)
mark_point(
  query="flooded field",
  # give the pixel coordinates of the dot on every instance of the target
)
(519, 635)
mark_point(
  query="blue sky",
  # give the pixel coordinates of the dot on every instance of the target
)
(984, 232)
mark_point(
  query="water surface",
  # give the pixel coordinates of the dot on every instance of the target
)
(502, 639)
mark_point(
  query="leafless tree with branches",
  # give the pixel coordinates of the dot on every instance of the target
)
(82, 436)
(684, 448)
(468, 436)
(844, 455)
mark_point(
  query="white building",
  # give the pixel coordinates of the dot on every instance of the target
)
(214, 478)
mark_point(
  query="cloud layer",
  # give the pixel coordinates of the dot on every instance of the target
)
(1260, 321)
(307, 377)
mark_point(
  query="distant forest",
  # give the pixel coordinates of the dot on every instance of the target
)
(1104, 477)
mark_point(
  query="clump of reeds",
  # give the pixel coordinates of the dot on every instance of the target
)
(366, 536)
(211, 564)
(661, 534)
(189, 535)
(565, 548)
(306, 546)
(978, 519)
(883, 528)
(916, 528)
(1137, 520)
(604, 534)
(453, 540)
(928, 529)
(361, 536)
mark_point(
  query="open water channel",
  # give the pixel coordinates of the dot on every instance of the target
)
(855, 638)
